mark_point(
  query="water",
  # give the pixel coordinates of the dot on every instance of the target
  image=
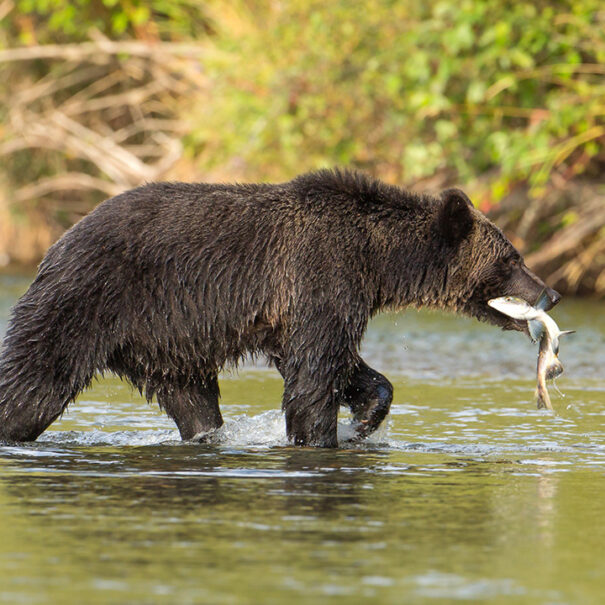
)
(468, 494)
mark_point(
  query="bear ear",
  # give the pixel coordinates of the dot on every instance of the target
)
(455, 219)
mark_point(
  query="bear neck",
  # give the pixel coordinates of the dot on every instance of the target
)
(423, 272)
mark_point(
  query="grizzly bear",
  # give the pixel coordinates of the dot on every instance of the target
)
(168, 283)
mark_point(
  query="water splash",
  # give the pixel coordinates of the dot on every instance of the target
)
(267, 429)
(112, 438)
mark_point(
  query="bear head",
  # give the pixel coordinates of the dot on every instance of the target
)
(482, 263)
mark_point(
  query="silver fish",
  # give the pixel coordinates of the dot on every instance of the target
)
(541, 327)
(549, 367)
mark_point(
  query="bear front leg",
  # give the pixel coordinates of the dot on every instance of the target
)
(312, 397)
(369, 395)
(311, 413)
(193, 405)
(316, 363)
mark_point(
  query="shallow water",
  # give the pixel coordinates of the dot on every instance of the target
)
(467, 494)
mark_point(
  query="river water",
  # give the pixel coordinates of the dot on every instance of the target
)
(468, 494)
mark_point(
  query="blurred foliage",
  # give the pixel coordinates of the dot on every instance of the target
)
(408, 90)
(62, 21)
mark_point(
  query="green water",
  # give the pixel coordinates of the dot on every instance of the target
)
(469, 494)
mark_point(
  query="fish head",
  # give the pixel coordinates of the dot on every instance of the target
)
(513, 306)
(518, 315)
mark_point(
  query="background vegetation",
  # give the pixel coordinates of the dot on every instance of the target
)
(504, 98)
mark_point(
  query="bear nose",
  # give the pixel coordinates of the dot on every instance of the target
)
(554, 296)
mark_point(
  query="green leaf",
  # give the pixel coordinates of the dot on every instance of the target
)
(476, 91)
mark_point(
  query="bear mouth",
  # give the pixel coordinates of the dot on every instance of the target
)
(517, 325)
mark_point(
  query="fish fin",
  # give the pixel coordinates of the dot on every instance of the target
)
(536, 329)
(554, 384)
(543, 301)
(555, 341)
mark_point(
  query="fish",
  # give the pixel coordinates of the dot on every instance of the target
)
(549, 367)
(541, 328)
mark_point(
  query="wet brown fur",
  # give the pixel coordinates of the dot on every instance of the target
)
(168, 283)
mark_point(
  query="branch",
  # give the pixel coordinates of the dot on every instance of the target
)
(86, 50)
(569, 239)
(62, 182)
(134, 96)
(53, 84)
(115, 161)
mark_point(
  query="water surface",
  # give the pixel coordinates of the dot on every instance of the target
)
(468, 493)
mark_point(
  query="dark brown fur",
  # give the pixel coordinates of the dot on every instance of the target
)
(168, 283)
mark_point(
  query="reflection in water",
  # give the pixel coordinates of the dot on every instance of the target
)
(269, 522)
(547, 491)
(469, 493)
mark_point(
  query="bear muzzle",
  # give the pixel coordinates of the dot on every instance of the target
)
(553, 296)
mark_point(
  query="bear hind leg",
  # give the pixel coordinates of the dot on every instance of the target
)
(26, 417)
(193, 405)
(38, 380)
